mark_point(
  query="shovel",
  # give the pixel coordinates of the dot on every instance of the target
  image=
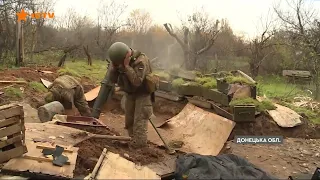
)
(169, 150)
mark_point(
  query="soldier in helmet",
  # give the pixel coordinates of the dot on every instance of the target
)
(130, 69)
(68, 91)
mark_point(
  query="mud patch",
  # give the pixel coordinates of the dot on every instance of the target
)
(264, 126)
(87, 84)
(28, 74)
(90, 151)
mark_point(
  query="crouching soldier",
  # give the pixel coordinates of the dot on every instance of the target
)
(68, 91)
(132, 72)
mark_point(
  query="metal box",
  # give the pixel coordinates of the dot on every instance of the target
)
(244, 113)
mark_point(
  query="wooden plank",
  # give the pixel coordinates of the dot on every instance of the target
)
(10, 130)
(97, 166)
(196, 127)
(221, 111)
(9, 154)
(45, 130)
(10, 141)
(166, 166)
(116, 167)
(29, 164)
(46, 83)
(285, 117)
(200, 103)
(93, 94)
(246, 76)
(18, 82)
(53, 148)
(8, 112)
(169, 96)
(42, 159)
(9, 121)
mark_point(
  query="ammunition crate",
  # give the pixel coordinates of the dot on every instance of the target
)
(190, 90)
(253, 92)
(165, 86)
(216, 96)
(12, 132)
(244, 113)
(222, 86)
(187, 75)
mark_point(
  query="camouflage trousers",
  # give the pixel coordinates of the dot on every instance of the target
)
(75, 96)
(138, 110)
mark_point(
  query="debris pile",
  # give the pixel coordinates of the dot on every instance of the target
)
(305, 101)
(70, 146)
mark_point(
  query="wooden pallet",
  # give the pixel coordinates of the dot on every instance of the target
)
(34, 163)
(12, 132)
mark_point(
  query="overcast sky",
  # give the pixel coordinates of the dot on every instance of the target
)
(243, 15)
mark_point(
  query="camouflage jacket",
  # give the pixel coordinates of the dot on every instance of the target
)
(63, 88)
(132, 79)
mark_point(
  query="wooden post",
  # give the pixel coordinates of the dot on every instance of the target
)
(22, 45)
(18, 29)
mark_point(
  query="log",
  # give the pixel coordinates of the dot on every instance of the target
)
(97, 167)
(18, 82)
(121, 138)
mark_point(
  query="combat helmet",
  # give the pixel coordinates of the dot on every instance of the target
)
(117, 52)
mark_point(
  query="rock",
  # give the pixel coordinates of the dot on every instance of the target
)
(52, 137)
(62, 137)
(30, 113)
(126, 155)
(317, 154)
(301, 155)
(284, 167)
(304, 165)
(306, 152)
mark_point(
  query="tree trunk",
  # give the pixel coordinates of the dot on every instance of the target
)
(33, 42)
(86, 51)
(254, 70)
(190, 61)
(317, 92)
(62, 60)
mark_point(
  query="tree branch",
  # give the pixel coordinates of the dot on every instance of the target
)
(170, 31)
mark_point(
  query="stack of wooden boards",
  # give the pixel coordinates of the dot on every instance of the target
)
(12, 132)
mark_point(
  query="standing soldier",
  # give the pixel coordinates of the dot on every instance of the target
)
(132, 72)
(68, 91)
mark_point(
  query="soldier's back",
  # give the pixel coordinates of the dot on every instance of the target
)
(66, 81)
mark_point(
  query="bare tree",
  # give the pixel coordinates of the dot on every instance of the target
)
(38, 6)
(199, 34)
(109, 23)
(140, 21)
(259, 46)
(304, 28)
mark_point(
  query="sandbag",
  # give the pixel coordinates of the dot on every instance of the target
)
(226, 166)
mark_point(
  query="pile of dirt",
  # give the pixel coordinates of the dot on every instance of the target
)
(264, 126)
(91, 149)
(87, 84)
(28, 74)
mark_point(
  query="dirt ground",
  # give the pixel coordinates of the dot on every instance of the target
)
(90, 151)
(295, 156)
(298, 154)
